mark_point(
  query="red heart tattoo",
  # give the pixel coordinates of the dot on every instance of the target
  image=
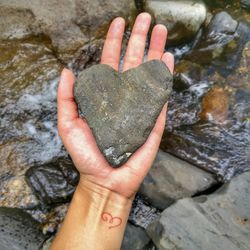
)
(112, 221)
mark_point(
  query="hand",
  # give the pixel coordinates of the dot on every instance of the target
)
(75, 132)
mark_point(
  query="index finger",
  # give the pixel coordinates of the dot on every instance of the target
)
(66, 106)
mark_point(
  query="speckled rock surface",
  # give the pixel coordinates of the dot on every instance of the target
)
(135, 238)
(19, 231)
(121, 108)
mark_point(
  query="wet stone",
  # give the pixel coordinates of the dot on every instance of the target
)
(121, 108)
(223, 151)
(215, 105)
(241, 77)
(220, 52)
(222, 23)
(170, 179)
(214, 222)
(54, 182)
(142, 213)
(208, 111)
(135, 238)
(245, 4)
(19, 231)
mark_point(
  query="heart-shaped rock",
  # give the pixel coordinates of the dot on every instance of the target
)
(121, 108)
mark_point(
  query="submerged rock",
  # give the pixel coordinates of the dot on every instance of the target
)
(218, 221)
(80, 21)
(121, 109)
(171, 179)
(245, 4)
(241, 77)
(182, 18)
(53, 182)
(221, 24)
(219, 33)
(19, 231)
(215, 105)
(208, 115)
(221, 150)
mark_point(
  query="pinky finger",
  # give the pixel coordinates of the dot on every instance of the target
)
(168, 59)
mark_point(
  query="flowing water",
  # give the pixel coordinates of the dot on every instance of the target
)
(208, 120)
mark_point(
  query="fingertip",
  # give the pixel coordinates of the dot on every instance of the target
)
(161, 28)
(168, 59)
(119, 19)
(145, 16)
(119, 22)
(67, 75)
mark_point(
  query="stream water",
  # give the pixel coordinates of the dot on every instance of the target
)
(209, 111)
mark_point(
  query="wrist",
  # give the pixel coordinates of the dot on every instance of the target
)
(96, 219)
(97, 194)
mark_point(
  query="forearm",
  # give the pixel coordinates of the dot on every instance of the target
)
(96, 219)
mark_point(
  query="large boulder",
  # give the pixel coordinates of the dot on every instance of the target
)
(182, 18)
(214, 222)
(171, 179)
(69, 24)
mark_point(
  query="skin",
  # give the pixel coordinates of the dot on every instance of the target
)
(99, 210)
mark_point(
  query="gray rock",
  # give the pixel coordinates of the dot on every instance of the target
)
(221, 30)
(47, 243)
(81, 20)
(182, 18)
(171, 179)
(135, 238)
(54, 182)
(19, 231)
(216, 222)
(245, 4)
(121, 108)
(222, 23)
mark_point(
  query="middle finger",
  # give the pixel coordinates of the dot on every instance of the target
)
(136, 46)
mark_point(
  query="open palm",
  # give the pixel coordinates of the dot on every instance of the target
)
(75, 132)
